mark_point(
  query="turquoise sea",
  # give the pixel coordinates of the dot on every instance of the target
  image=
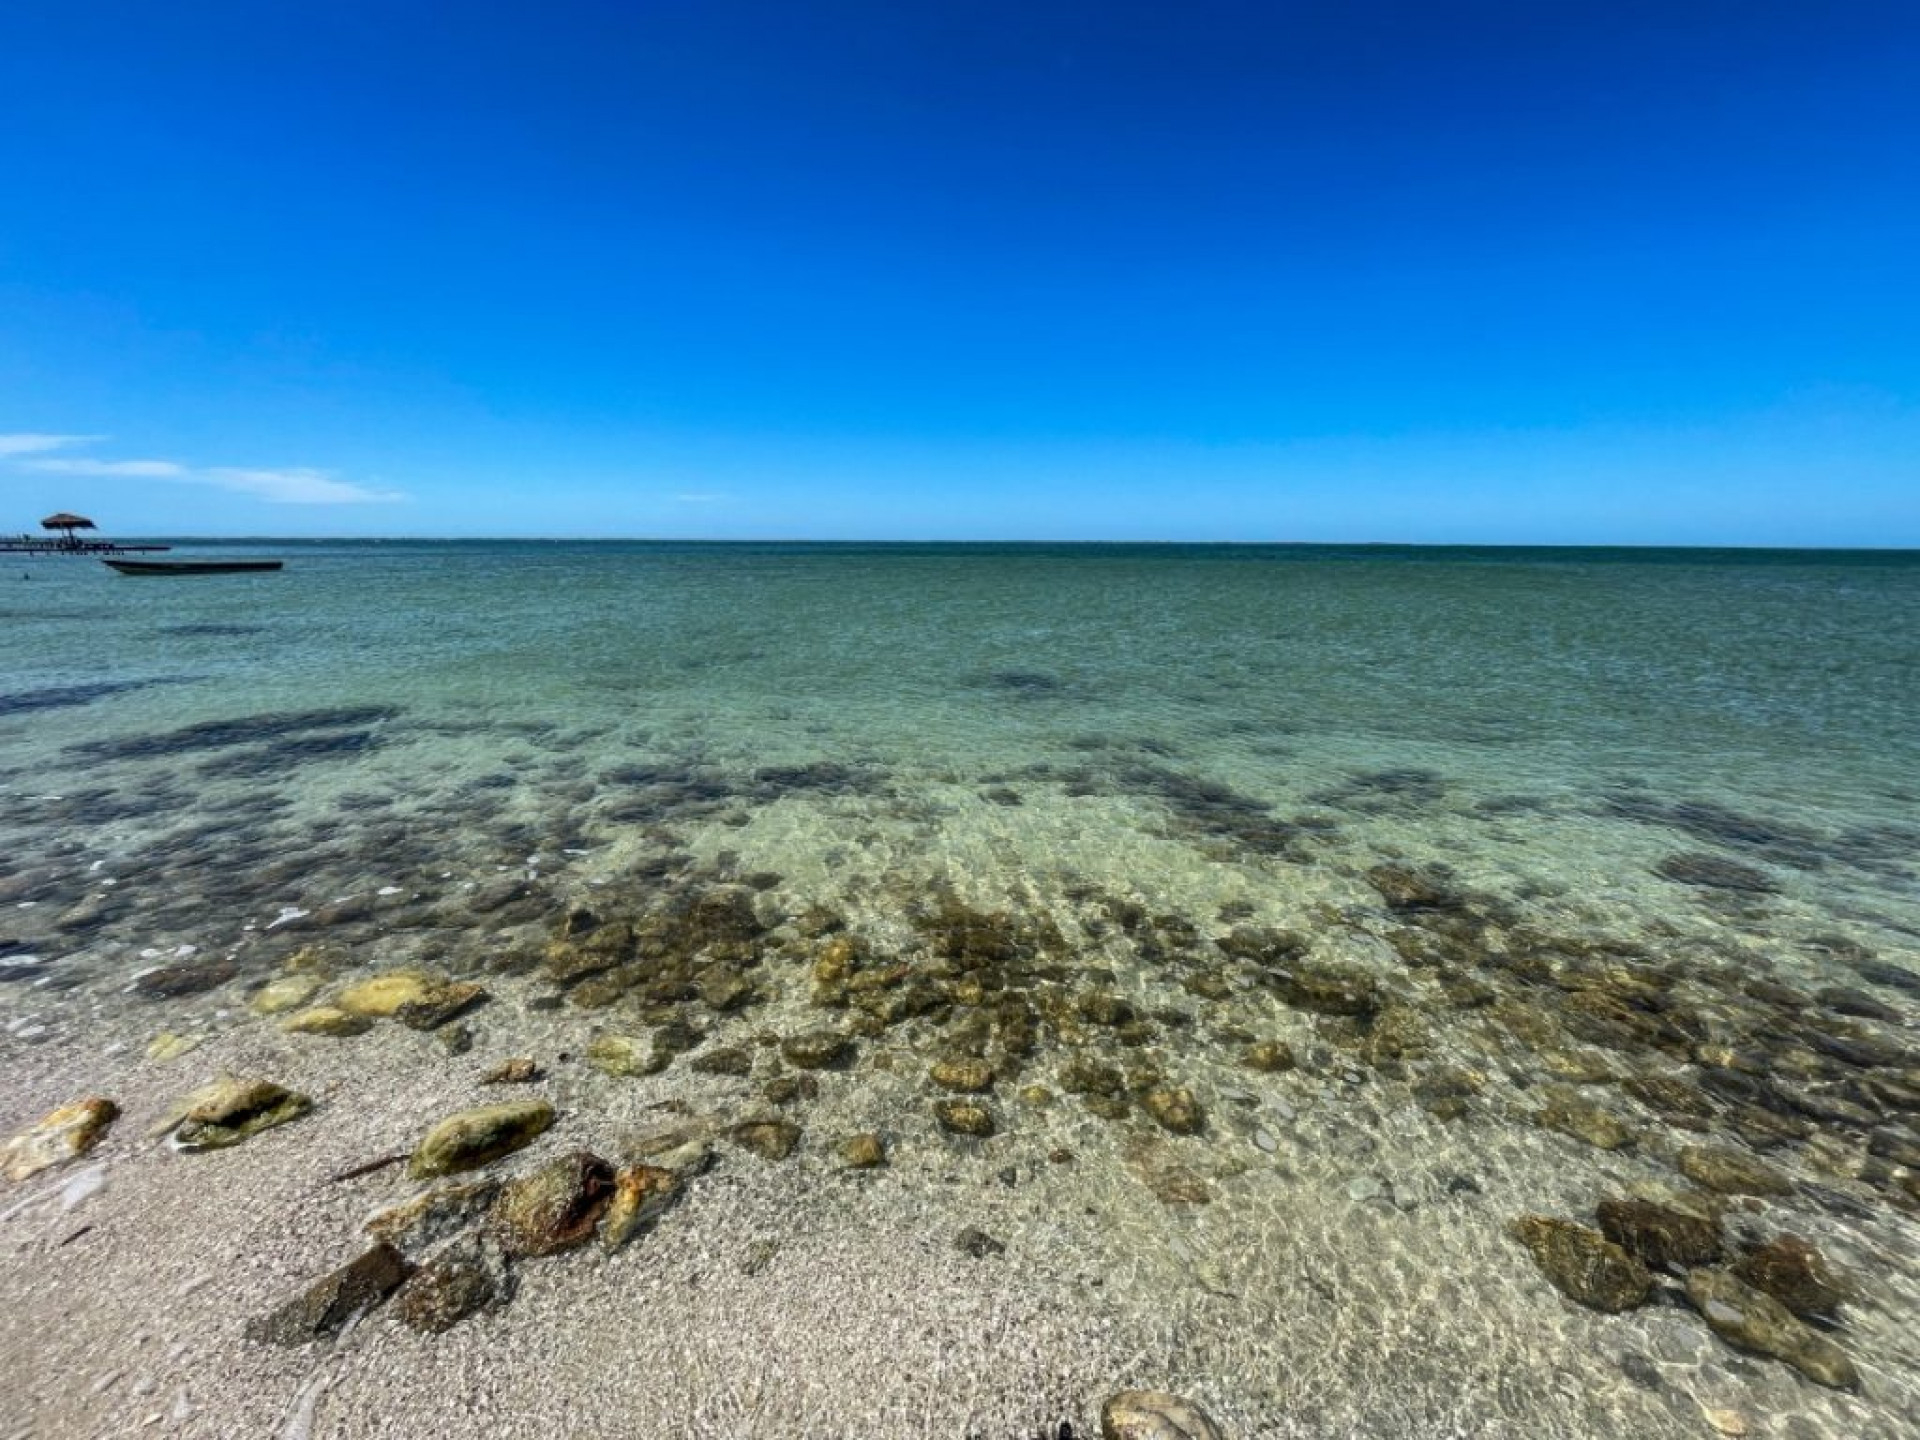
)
(1552, 871)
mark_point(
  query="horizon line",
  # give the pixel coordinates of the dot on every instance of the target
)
(267, 538)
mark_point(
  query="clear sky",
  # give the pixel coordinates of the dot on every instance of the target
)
(1535, 271)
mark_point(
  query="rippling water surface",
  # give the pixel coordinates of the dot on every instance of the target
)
(1551, 871)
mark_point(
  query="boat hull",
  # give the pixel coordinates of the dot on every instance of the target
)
(192, 567)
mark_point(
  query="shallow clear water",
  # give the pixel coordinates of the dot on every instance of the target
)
(1684, 770)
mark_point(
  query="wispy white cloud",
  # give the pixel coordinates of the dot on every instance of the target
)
(109, 469)
(299, 485)
(31, 443)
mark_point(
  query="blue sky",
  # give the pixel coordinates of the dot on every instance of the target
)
(1558, 272)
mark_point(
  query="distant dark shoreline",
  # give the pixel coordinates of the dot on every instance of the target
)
(867, 544)
(1309, 549)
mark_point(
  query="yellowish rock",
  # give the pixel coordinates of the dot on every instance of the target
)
(1155, 1415)
(326, 1020)
(55, 1138)
(381, 996)
(641, 1194)
(431, 1011)
(227, 1110)
(479, 1137)
(312, 960)
(620, 1056)
(835, 961)
(966, 1075)
(863, 1151)
(168, 1045)
(520, 1070)
(289, 992)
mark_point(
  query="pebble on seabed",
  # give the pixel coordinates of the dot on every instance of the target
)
(62, 1135)
(227, 1110)
(478, 1137)
(1155, 1415)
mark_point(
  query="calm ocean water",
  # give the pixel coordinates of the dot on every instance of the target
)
(1673, 795)
(1573, 698)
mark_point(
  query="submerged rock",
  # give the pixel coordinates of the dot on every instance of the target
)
(1263, 946)
(326, 1020)
(474, 1138)
(1661, 1235)
(1155, 1415)
(465, 1278)
(173, 982)
(1582, 1067)
(432, 1215)
(1329, 989)
(1098, 1007)
(56, 1137)
(1209, 984)
(1730, 1172)
(1583, 1264)
(168, 1045)
(790, 1089)
(1678, 1103)
(1794, 1273)
(520, 1070)
(579, 954)
(620, 1056)
(1404, 888)
(1090, 1077)
(227, 1110)
(1753, 1320)
(1715, 873)
(1846, 1000)
(1599, 1128)
(554, 1207)
(816, 1049)
(978, 1243)
(683, 1149)
(1176, 1110)
(321, 960)
(863, 1151)
(964, 1117)
(325, 1307)
(968, 1076)
(436, 1008)
(769, 1139)
(1269, 1057)
(1398, 1032)
(725, 1060)
(381, 996)
(287, 992)
(641, 1195)
(724, 988)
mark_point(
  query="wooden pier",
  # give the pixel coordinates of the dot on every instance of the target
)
(28, 545)
(63, 538)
